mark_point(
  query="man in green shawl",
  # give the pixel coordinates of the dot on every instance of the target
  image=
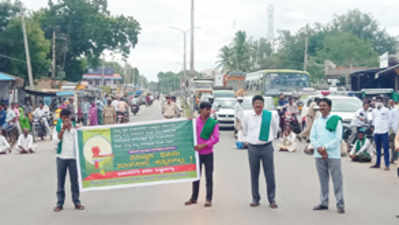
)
(360, 151)
(260, 128)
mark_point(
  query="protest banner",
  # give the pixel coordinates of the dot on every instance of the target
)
(130, 155)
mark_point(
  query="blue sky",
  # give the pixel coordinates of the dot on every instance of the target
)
(160, 48)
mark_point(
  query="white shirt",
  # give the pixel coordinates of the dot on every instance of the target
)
(25, 142)
(394, 119)
(362, 117)
(252, 124)
(10, 115)
(115, 104)
(3, 144)
(40, 112)
(381, 120)
(364, 148)
(68, 144)
(239, 111)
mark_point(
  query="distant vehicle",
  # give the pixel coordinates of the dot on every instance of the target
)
(234, 80)
(223, 111)
(343, 106)
(223, 94)
(274, 82)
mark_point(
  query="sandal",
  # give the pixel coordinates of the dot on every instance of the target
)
(190, 202)
(208, 204)
(79, 207)
(58, 209)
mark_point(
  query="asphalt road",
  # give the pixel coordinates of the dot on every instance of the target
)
(28, 186)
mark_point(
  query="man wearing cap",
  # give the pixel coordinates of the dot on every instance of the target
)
(239, 111)
(170, 109)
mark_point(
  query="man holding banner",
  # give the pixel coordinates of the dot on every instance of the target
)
(64, 136)
(260, 128)
(207, 136)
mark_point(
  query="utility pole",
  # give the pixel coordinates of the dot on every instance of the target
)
(53, 64)
(192, 39)
(26, 45)
(305, 61)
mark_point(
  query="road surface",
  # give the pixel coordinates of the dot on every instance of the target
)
(28, 186)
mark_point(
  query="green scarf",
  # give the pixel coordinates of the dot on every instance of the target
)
(265, 125)
(207, 130)
(332, 123)
(359, 144)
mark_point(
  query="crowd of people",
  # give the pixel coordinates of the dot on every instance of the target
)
(22, 124)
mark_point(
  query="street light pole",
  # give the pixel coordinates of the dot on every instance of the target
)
(26, 44)
(192, 38)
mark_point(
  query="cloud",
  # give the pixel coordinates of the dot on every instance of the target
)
(160, 48)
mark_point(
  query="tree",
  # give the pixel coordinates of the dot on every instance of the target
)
(225, 61)
(365, 27)
(89, 30)
(346, 49)
(12, 45)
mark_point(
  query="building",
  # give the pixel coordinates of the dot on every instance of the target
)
(102, 77)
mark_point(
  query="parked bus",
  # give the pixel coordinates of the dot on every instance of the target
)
(273, 82)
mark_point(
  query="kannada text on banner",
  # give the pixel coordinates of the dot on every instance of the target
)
(137, 154)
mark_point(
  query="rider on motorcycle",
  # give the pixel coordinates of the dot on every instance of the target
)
(42, 113)
(362, 119)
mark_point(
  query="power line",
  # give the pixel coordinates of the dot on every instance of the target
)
(11, 58)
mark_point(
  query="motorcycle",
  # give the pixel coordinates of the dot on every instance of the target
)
(39, 128)
(135, 108)
(122, 117)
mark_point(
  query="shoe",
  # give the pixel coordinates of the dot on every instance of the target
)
(58, 209)
(190, 202)
(79, 207)
(386, 168)
(254, 204)
(375, 167)
(273, 206)
(341, 210)
(208, 204)
(320, 207)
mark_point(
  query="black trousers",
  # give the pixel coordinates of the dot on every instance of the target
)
(62, 166)
(207, 161)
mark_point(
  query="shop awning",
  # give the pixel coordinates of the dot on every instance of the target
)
(5, 77)
(65, 93)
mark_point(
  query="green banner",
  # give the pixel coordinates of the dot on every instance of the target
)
(131, 155)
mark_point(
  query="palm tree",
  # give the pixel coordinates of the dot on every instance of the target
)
(225, 61)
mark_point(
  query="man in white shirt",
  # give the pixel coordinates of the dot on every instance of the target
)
(239, 113)
(41, 113)
(381, 121)
(25, 142)
(64, 136)
(4, 146)
(394, 125)
(362, 119)
(260, 128)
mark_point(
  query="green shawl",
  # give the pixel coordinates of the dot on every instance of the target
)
(265, 125)
(207, 130)
(332, 123)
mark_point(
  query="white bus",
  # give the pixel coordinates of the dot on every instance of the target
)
(273, 82)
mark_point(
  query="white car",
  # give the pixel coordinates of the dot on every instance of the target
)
(343, 106)
(223, 111)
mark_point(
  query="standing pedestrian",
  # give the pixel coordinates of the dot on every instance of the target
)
(93, 116)
(326, 137)
(170, 109)
(381, 121)
(207, 137)
(100, 109)
(64, 136)
(109, 114)
(394, 125)
(260, 128)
